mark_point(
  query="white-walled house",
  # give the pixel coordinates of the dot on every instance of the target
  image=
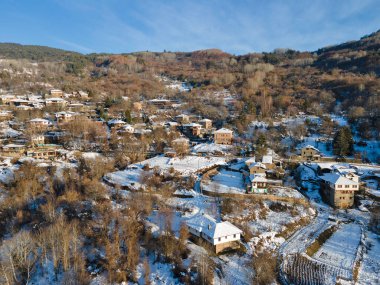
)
(219, 234)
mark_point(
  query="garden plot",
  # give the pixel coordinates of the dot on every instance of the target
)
(340, 249)
(370, 266)
(225, 182)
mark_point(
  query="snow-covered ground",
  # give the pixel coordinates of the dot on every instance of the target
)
(130, 177)
(225, 182)
(369, 271)
(324, 146)
(340, 249)
(185, 166)
(211, 148)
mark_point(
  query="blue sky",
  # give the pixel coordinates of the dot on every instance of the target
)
(235, 26)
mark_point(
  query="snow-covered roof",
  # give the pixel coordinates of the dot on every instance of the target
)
(55, 99)
(181, 140)
(257, 164)
(257, 178)
(192, 125)
(64, 113)
(267, 159)
(39, 120)
(211, 228)
(13, 146)
(223, 131)
(116, 121)
(337, 179)
(311, 147)
(250, 160)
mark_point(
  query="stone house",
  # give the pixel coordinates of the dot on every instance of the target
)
(257, 168)
(220, 235)
(338, 191)
(223, 136)
(38, 123)
(258, 184)
(206, 124)
(310, 153)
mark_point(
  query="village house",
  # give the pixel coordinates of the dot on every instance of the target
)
(310, 153)
(56, 93)
(249, 161)
(127, 129)
(257, 168)
(181, 145)
(182, 119)
(55, 102)
(6, 115)
(337, 190)
(76, 107)
(64, 117)
(116, 123)
(44, 151)
(220, 235)
(267, 160)
(13, 149)
(258, 184)
(39, 123)
(206, 124)
(7, 98)
(37, 139)
(19, 102)
(192, 129)
(161, 103)
(223, 136)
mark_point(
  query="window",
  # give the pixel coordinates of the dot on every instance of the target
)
(219, 239)
(339, 186)
(347, 186)
(234, 235)
(354, 186)
(226, 238)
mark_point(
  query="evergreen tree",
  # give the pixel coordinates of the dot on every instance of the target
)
(343, 143)
(128, 116)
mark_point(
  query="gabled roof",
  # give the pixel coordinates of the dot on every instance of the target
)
(310, 146)
(258, 164)
(39, 120)
(181, 139)
(192, 125)
(250, 160)
(337, 179)
(257, 178)
(116, 121)
(210, 227)
(223, 131)
(267, 159)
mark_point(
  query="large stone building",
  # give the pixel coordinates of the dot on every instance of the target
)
(223, 136)
(221, 235)
(310, 153)
(338, 191)
(206, 124)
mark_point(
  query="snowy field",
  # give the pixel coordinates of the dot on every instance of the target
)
(225, 182)
(185, 166)
(340, 249)
(211, 148)
(129, 177)
(370, 267)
